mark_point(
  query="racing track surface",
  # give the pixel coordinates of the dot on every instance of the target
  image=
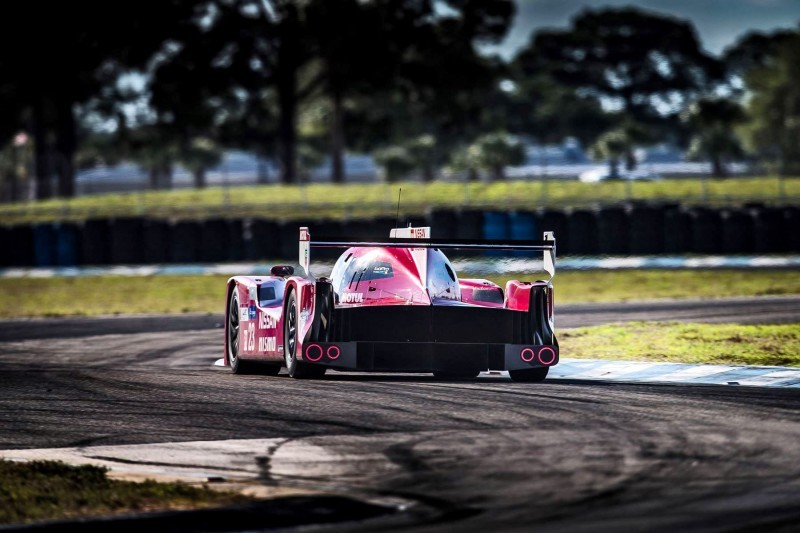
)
(486, 454)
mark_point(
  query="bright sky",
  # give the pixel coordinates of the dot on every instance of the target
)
(718, 22)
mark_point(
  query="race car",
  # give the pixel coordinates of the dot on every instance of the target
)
(392, 306)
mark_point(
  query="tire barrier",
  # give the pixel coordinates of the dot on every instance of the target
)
(157, 236)
(523, 226)
(556, 221)
(261, 239)
(637, 230)
(612, 231)
(645, 230)
(45, 244)
(127, 241)
(288, 235)
(6, 247)
(67, 253)
(771, 231)
(469, 224)
(706, 230)
(737, 232)
(443, 223)
(235, 247)
(496, 227)
(95, 246)
(186, 241)
(792, 221)
(18, 246)
(214, 236)
(677, 236)
(582, 230)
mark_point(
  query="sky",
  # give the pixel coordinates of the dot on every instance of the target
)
(719, 22)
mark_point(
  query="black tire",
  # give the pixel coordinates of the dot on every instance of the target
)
(296, 369)
(533, 375)
(237, 365)
(450, 374)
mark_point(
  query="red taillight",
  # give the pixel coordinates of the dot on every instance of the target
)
(333, 352)
(314, 352)
(542, 355)
(527, 355)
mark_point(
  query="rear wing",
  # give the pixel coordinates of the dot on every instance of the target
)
(547, 246)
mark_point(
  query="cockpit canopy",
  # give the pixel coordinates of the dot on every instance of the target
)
(395, 276)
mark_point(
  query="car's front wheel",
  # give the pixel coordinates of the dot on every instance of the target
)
(237, 365)
(291, 331)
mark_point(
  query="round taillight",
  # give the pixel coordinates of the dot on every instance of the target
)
(543, 356)
(333, 352)
(314, 352)
(527, 354)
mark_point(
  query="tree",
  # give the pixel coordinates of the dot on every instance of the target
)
(423, 154)
(48, 77)
(495, 151)
(644, 64)
(198, 157)
(753, 50)
(714, 120)
(420, 62)
(774, 108)
(611, 146)
(396, 162)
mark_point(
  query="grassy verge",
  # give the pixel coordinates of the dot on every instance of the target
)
(769, 345)
(45, 490)
(32, 297)
(359, 200)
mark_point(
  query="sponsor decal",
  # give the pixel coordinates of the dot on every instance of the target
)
(304, 314)
(419, 233)
(352, 297)
(252, 292)
(249, 337)
(267, 344)
(267, 322)
(251, 313)
(244, 314)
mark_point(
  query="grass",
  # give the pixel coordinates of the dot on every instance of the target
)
(777, 345)
(89, 296)
(46, 490)
(359, 200)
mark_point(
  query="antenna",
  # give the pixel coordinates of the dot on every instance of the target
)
(397, 219)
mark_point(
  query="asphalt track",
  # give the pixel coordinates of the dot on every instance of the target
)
(486, 454)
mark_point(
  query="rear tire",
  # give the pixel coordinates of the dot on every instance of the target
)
(296, 369)
(533, 375)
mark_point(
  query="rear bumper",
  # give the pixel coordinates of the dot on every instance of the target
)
(428, 356)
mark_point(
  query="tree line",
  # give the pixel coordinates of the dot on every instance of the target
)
(160, 82)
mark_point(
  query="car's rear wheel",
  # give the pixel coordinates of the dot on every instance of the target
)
(532, 375)
(291, 331)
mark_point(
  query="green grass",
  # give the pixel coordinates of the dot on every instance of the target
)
(35, 297)
(44, 490)
(368, 200)
(769, 345)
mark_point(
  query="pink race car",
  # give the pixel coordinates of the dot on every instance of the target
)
(393, 306)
